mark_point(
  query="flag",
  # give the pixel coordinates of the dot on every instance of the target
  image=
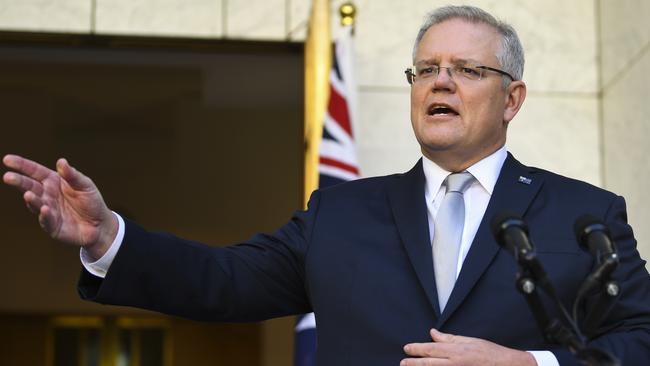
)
(337, 161)
(318, 58)
(337, 154)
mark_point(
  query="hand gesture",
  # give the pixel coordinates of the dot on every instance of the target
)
(448, 349)
(69, 206)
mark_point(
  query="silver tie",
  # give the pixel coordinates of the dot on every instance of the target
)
(448, 231)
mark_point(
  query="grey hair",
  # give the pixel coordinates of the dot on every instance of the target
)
(511, 54)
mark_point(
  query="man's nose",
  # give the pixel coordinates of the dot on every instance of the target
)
(444, 80)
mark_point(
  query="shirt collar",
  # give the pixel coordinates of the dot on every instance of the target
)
(486, 172)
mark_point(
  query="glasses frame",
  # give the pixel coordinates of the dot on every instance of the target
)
(410, 74)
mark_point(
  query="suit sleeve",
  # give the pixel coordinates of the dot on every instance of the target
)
(255, 280)
(625, 331)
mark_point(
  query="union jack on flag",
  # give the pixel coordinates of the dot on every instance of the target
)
(337, 155)
(337, 162)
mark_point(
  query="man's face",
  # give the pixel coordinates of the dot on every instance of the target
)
(459, 121)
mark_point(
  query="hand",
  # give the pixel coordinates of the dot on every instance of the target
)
(69, 206)
(448, 349)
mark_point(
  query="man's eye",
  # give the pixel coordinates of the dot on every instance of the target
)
(469, 72)
(425, 71)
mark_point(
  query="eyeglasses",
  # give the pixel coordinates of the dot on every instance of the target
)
(415, 74)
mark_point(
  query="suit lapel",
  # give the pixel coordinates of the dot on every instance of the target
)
(406, 198)
(514, 191)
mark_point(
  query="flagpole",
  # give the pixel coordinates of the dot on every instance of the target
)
(318, 58)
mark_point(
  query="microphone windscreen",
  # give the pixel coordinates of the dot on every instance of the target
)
(586, 224)
(505, 219)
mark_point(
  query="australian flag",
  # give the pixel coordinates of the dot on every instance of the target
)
(337, 162)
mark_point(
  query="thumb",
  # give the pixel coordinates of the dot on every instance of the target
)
(438, 336)
(72, 176)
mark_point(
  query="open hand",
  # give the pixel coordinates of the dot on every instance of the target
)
(69, 206)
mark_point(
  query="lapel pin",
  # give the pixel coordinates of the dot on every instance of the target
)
(524, 180)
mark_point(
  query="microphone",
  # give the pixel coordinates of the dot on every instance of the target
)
(511, 232)
(594, 235)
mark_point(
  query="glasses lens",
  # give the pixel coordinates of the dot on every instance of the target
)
(459, 72)
(468, 72)
(426, 71)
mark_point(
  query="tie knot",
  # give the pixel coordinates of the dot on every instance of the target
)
(459, 182)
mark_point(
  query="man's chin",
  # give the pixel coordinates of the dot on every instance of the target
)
(438, 151)
(439, 140)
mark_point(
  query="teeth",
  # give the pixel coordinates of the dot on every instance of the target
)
(441, 109)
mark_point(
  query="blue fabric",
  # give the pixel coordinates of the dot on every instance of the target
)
(305, 347)
(305, 341)
(327, 181)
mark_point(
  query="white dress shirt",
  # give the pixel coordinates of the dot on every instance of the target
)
(476, 199)
(100, 267)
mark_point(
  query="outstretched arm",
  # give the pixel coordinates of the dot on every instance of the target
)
(69, 206)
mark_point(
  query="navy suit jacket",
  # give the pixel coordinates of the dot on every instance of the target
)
(360, 258)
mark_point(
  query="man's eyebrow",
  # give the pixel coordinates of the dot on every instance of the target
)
(429, 61)
(454, 61)
(464, 61)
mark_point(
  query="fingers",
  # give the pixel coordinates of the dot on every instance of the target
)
(33, 202)
(439, 336)
(449, 349)
(29, 174)
(420, 349)
(27, 167)
(75, 178)
(46, 220)
(23, 183)
(426, 362)
(45, 214)
(439, 350)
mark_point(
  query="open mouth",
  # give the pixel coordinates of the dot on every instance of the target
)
(441, 109)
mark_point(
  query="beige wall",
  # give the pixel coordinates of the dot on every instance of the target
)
(625, 80)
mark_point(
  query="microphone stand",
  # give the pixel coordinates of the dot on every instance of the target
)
(532, 276)
(607, 297)
(608, 294)
(511, 233)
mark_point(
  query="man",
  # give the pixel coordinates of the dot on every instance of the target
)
(361, 256)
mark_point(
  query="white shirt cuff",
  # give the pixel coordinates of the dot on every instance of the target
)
(544, 358)
(100, 266)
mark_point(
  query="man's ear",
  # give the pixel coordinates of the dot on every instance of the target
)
(515, 95)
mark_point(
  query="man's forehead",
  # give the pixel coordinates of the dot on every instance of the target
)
(466, 26)
(460, 39)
